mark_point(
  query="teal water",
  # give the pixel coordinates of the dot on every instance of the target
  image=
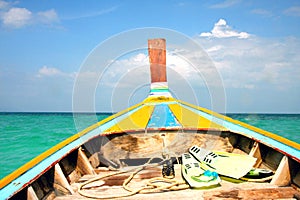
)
(26, 135)
(286, 125)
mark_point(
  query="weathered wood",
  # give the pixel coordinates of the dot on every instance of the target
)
(296, 179)
(112, 185)
(263, 193)
(282, 176)
(232, 194)
(31, 195)
(255, 152)
(61, 184)
(95, 160)
(244, 144)
(68, 165)
(157, 58)
(74, 176)
(117, 180)
(272, 158)
(50, 196)
(135, 146)
(43, 187)
(83, 164)
(297, 195)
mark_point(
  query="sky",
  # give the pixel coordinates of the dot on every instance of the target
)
(250, 51)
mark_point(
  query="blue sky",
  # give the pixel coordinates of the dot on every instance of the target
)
(254, 46)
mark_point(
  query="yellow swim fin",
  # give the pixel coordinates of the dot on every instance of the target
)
(224, 163)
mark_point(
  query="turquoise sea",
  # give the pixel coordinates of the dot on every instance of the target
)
(26, 135)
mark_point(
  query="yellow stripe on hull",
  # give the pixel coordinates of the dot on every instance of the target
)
(136, 121)
(190, 119)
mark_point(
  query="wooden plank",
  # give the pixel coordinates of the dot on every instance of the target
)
(296, 179)
(117, 180)
(113, 185)
(157, 58)
(262, 193)
(272, 158)
(61, 184)
(83, 164)
(94, 159)
(270, 193)
(31, 195)
(244, 190)
(255, 152)
(282, 176)
(244, 144)
(50, 196)
(74, 176)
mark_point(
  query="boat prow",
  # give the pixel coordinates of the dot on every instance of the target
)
(136, 153)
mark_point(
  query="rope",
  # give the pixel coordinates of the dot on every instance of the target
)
(151, 185)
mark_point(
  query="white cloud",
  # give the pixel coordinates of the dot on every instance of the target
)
(16, 17)
(222, 30)
(255, 62)
(179, 65)
(3, 4)
(214, 48)
(134, 70)
(131, 65)
(262, 12)
(126, 67)
(46, 71)
(293, 11)
(226, 4)
(48, 16)
(91, 13)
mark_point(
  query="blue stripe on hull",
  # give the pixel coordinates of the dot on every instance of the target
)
(162, 117)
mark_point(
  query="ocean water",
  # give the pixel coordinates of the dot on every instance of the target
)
(26, 135)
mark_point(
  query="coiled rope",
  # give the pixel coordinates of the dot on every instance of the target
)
(151, 185)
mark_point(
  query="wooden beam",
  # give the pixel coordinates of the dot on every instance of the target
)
(61, 184)
(83, 163)
(31, 195)
(255, 152)
(157, 58)
(296, 179)
(94, 160)
(262, 193)
(282, 176)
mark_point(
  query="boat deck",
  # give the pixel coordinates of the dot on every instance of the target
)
(159, 127)
(227, 190)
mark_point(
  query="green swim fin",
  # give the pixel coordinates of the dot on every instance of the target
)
(195, 175)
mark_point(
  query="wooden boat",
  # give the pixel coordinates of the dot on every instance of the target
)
(133, 145)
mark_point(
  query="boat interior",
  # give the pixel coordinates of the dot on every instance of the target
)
(109, 160)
